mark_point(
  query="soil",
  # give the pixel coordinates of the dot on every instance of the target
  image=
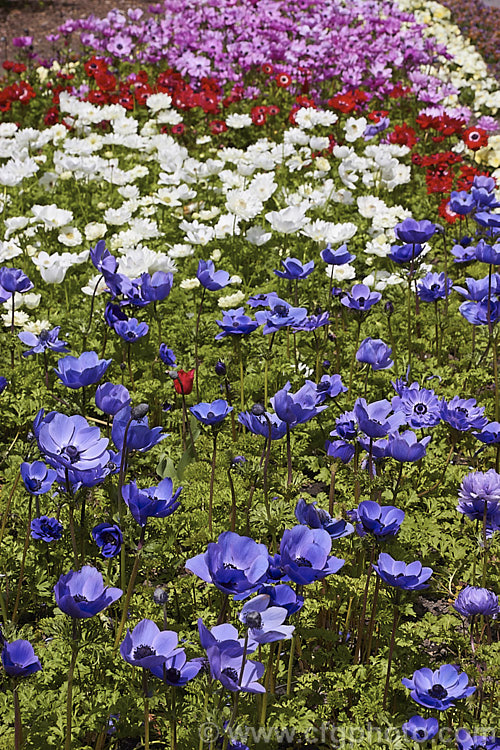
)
(37, 18)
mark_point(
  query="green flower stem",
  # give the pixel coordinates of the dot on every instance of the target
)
(130, 588)
(212, 479)
(233, 500)
(288, 457)
(353, 359)
(18, 727)
(129, 365)
(290, 666)
(234, 713)
(7, 507)
(239, 350)
(23, 561)
(266, 368)
(173, 722)
(69, 697)
(391, 651)
(495, 374)
(372, 620)
(408, 315)
(186, 422)
(361, 622)
(146, 708)
(196, 332)
(485, 545)
(89, 324)
(398, 482)
(331, 494)
(267, 685)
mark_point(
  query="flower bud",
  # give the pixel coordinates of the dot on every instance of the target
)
(139, 411)
(220, 368)
(258, 410)
(160, 595)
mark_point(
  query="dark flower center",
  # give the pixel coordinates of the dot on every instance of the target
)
(108, 537)
(302, 561)
(421, 734)
(434, 287)
(34, 484)
(72, 453)
(44, 335)
(253, 620)
(229, 566)
(438, 691)
(281, 311)
(420, 409)
(80, 598)
(172, 674)
(231, 673)
(143, 650)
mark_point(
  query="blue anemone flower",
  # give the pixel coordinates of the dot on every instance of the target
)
(79, 372)
(317, 518)
(131, 330)
(210, 278)
(419, 729)
(404, 447)
(235, 323)
(19, 659)
(152, 502)
(439, 689)
(474, 600)
(305, 555)
(234, 564)
(147, 646)
(433, 287)
(375, 353)
(412, 231)
(411, 577)
(82, 593)
(46, 529)
(294, 269)
(45, 340)
(37, 478)
(211, 414)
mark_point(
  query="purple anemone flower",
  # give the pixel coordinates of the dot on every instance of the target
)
(153, 502)
(45, 340)
(412, 231)
(360, 298)
(82, 593)
(294, 269)
(379, 520)
(317, 518)
(147, 646)
(235, 323)
(305, 555)
(419, 729)
(78, 372)
(405, 447)
(375, 353)
(463, 414)
(211, 414)
(265, 621)
(46, 529)
(209, 278)
(176, 670)
(474, 600)
(234, 564)
(19, 659)
(37, 478)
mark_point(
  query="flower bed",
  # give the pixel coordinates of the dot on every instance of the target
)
(249, 397)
